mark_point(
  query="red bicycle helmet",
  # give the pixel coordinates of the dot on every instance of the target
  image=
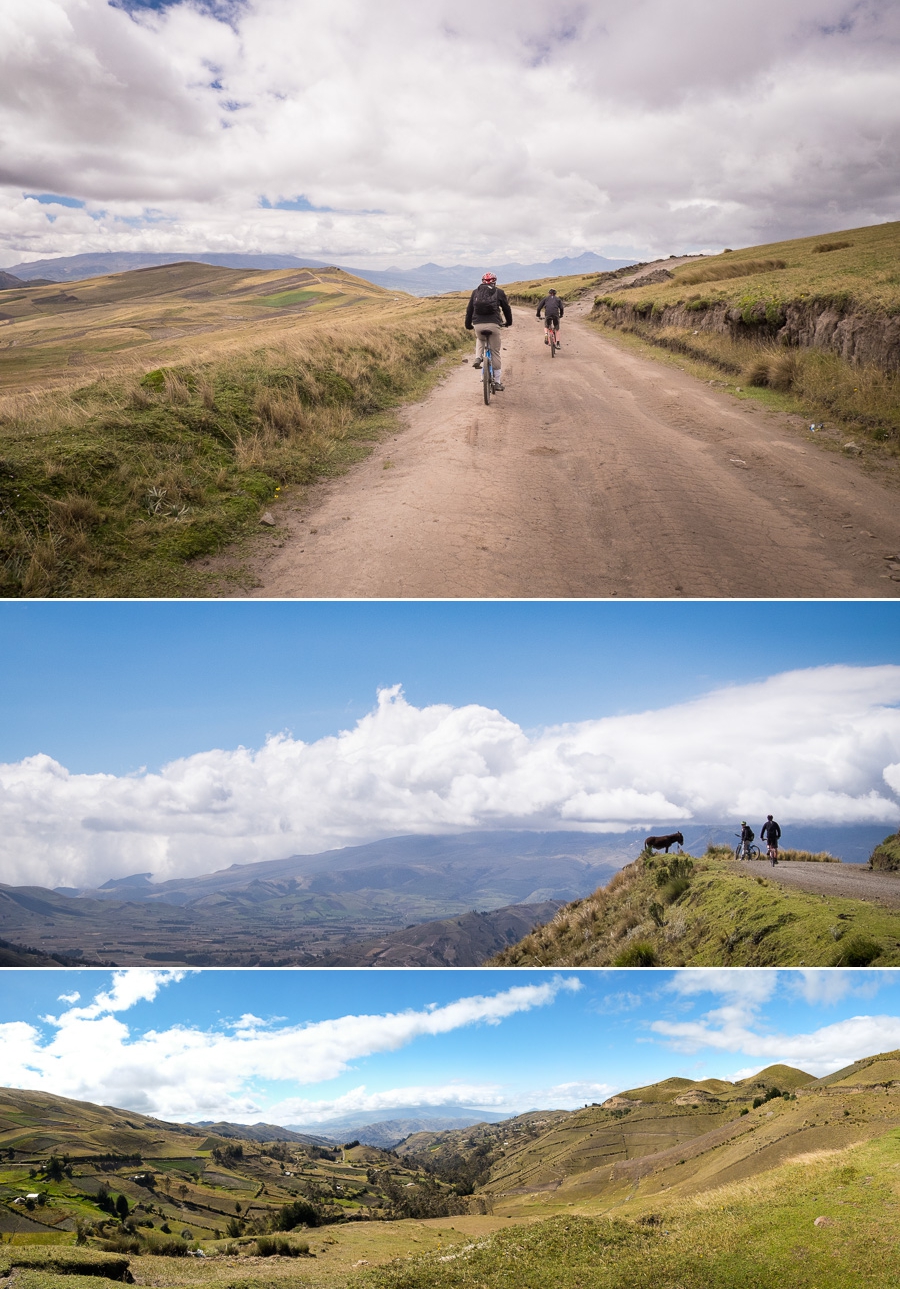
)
(489, 277)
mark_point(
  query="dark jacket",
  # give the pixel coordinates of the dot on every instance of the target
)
(770, 832)
(491, 318)
(552, 305)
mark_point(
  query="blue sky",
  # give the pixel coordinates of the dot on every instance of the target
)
(177, 738)
(116, 686)
(295, 1046)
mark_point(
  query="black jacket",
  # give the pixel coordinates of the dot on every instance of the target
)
(770, 832)
(491, 318)
(552, 306)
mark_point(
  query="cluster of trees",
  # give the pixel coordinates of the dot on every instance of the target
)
(228, 1154)
(464, 1172)
(424, 1198)
(118, 1207)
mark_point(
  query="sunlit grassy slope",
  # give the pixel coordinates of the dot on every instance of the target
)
(709, 911)
(824, 1221)
(863, 265)
(151, 416)
(810, 325)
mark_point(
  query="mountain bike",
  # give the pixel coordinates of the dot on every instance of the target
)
(489, 384)
(552, 335)
(745, 850)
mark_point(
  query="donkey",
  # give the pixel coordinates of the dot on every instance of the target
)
(663, 843)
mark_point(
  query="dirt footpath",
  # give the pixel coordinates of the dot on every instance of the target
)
(597, 473)
(855, 881)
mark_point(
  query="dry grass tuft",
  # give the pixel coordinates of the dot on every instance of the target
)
(824, 247)
(721, 272)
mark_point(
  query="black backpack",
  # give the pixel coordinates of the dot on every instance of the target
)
(485, 300)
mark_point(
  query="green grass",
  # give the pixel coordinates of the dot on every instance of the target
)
(727, 329)
(57, 1260)
(757, 1234)
(724, 916)
(113, 489)
(886, 855)
(284, 298)
(864, 274)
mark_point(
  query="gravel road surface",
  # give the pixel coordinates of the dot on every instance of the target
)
(855, 881)
(598, 473)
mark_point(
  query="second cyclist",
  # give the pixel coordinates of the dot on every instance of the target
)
(553, 309)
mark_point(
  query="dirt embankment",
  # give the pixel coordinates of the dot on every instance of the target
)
(858, 337)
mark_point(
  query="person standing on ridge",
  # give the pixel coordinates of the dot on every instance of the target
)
(770, 833)
(488, 311)
(553, 309)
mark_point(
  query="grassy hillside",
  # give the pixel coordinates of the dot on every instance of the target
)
(684, 911)
(182, 1184)
(778, 1179)
(826, 1221)
(150, 417)
(700, 1184)
(886, 856)
(811, 325)
(858, 266)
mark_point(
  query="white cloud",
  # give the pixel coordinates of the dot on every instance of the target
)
(819, 1052)
(187, 1073)
(300, 1110)
(506, 1099)
(655, 126)
(825, 988)
(813, 749)
(738, 1026)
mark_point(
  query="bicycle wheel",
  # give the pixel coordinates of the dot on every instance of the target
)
(552, 344)
(487, 375)
(754, 852)
(737, 852)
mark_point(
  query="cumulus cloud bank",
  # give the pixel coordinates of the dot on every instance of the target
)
(821, 745)
(185, 1072)
(738, 1023)
(407, 136)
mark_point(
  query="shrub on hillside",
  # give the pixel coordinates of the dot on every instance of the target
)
(859, 951)
(638, 954)
(673, 890)
(298, 1213)
(886, 856)
(276, 1245)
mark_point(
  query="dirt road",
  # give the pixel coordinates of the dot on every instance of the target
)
(598, 473)
(855, 881)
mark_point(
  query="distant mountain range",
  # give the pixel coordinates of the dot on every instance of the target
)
(259, 1132)
(427, 279)
(404, 1121)
(384, 1133)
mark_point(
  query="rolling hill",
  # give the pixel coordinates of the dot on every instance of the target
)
(425, 279)
(695, 1183)
(154, 416)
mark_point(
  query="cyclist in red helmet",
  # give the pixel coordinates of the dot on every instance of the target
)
(488, 311)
